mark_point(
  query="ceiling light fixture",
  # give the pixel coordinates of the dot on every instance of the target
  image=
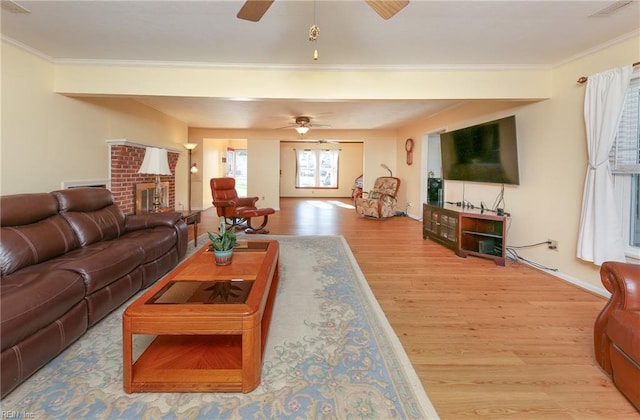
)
(314, 32)
(302, 130)
(304, 125)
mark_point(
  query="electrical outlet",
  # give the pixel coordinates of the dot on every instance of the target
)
(553, 244)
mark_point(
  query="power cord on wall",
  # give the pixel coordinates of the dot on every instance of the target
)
(531, 245)
(512, 254)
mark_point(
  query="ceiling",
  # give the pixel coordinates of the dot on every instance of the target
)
(424, 35)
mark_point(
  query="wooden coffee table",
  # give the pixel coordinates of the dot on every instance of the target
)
(210, 324)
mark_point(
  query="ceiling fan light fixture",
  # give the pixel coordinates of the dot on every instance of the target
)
(302, 130)
(314, 32)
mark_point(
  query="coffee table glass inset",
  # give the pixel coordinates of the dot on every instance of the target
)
(229, 292)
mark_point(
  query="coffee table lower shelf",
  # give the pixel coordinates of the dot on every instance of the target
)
(190, 363)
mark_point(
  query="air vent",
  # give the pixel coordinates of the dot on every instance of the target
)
(13, 7)
(611, 9)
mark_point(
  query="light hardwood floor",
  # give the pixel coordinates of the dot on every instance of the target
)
(486, 341)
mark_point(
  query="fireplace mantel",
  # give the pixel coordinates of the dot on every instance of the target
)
(125, 142)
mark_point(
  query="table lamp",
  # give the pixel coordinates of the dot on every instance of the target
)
(156, 163)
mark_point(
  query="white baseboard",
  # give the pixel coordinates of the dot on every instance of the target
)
(600, 291)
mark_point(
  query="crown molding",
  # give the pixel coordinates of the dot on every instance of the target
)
(317, 67)
(598, 48)
(303, 67)
(275, 67)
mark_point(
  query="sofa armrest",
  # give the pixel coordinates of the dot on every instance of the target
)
(149, 220)
(623, 281)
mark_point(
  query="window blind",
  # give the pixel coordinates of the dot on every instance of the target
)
(625, 153)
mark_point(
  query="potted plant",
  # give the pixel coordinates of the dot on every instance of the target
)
(222, 244)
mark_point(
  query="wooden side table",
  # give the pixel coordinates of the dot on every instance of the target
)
(192, 218)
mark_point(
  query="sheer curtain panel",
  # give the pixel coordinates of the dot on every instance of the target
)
(600, 235)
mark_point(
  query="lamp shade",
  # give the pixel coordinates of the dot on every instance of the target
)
(303, 129)
(155, 162)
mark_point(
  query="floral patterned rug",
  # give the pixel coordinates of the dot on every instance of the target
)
(331, 354)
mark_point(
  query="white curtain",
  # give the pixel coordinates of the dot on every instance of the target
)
(600, 235)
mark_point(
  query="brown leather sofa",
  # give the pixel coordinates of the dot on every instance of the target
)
(617, 328)
(67, 259)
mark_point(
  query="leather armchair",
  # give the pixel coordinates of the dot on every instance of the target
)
(237, 211)
(380, 202)
(616, 333)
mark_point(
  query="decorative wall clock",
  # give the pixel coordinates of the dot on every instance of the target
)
(408, 146)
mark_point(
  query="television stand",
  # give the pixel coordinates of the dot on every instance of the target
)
(466, 231)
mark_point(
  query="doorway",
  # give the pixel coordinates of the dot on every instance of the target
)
(237, 168)
(431, 161)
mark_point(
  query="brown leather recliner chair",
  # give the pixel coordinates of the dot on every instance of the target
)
(238, 210)
(616, 333)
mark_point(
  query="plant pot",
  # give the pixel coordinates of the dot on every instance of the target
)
(223, 257)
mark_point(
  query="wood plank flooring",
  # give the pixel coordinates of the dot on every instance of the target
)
(486, 341)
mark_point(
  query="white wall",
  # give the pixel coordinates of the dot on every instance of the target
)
(553, 161)
(349, 168)
(48, 138)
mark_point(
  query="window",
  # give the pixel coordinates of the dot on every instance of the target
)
(317, 168)
(237, 168)
(625, 164)
(634, 219)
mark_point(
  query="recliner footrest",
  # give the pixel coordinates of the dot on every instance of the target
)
(246, 214)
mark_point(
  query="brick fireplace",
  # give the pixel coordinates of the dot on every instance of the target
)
(125, 160)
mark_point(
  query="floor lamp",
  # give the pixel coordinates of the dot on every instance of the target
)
(155, 163)
(193, 168)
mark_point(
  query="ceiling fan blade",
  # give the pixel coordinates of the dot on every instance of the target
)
(253, 10)
(387, 8)
(287, 126)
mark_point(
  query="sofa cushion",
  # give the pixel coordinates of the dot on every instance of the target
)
(26, 245)
(103, 263)
(24, 209)
(32, 231)
(34, 299)
(155, 242)
(624, 330)
(92, 214)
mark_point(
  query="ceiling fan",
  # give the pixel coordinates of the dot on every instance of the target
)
(253, 10)
(303, 124)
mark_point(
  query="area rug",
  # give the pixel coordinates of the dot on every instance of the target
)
(330, 354)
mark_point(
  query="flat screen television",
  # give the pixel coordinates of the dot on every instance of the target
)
(486, 152)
